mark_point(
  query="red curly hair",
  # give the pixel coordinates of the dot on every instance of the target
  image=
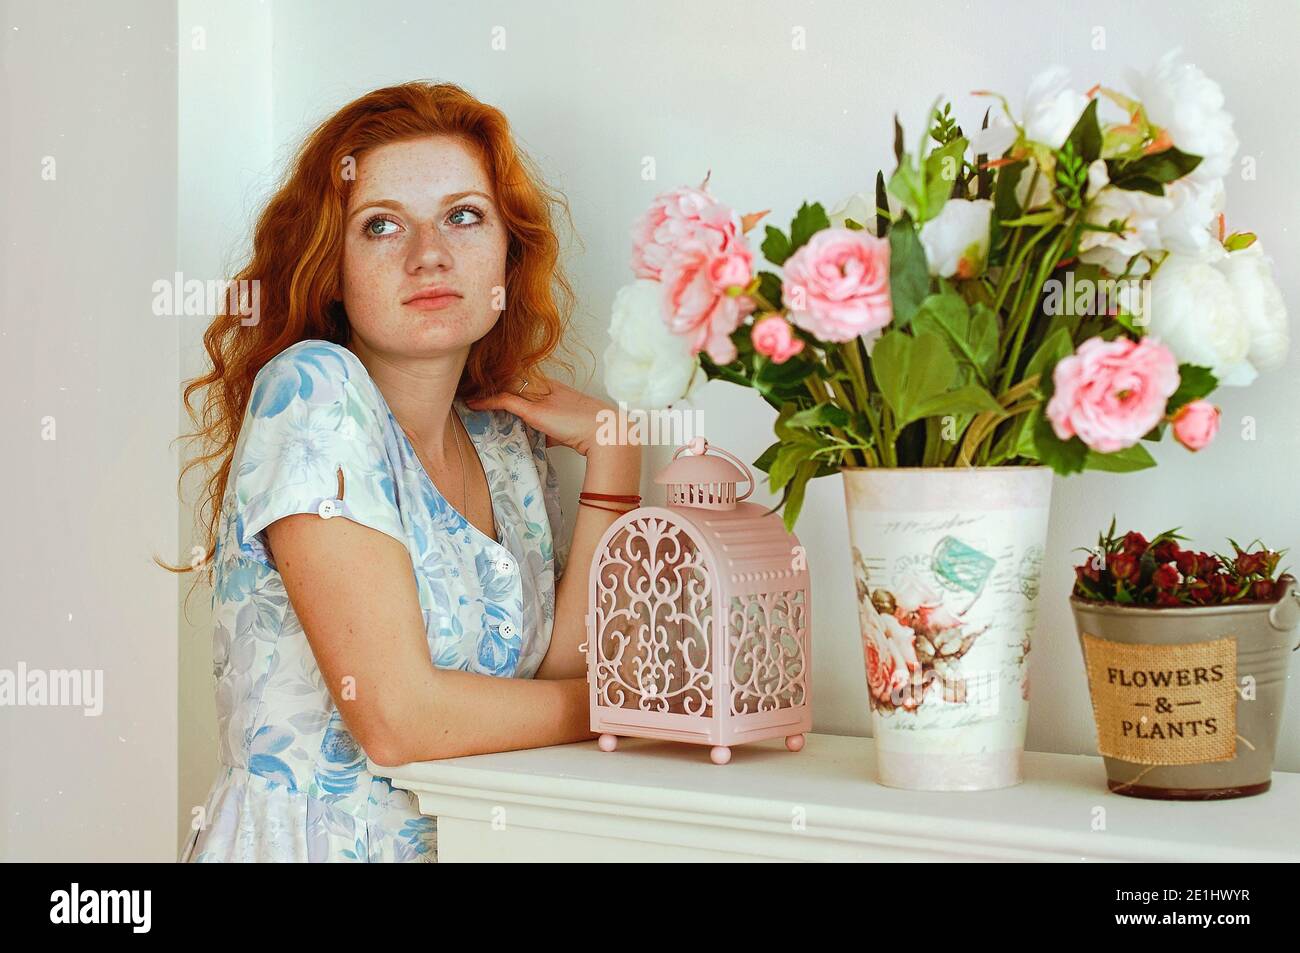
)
(297, 259)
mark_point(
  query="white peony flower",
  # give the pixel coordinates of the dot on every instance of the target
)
(1139, 213)
(995, 139)
(1249, 271)
(1187, 212)
(1052, 107)
(956, 241)
(860, 206)
(1194, 311)
(1042, 183)
(646, 365)
(1189, 105)
(1182, 220)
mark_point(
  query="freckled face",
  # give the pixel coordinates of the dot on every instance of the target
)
(424, 255)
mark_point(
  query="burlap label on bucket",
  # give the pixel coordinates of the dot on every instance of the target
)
(1164, 704)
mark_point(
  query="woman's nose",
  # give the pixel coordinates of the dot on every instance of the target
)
(428, 250)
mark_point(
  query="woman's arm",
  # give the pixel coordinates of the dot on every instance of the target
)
(610, 469)
(354, 591)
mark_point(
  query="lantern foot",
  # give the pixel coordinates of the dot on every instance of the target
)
(794, 742)
(720, 754)
(607, 742)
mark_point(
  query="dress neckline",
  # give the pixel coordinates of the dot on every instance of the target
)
(485, 459)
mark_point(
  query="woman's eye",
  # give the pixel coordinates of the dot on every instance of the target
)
(380, 226)
(455, 219)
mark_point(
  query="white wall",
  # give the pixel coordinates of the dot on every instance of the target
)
(93, 87)
(592, 87)
(226, 171)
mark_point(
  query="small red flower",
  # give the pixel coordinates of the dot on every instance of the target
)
(1167, 599)
(1265, 590)
(1250, 564)
(1188, 562)
(1222, 586)
(1123, 566)
(1135, 544)
(1167, 577)
(1167, 551)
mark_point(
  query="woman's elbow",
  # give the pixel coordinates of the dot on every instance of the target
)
(403, 739)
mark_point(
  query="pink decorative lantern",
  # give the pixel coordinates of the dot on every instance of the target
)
(699, 623)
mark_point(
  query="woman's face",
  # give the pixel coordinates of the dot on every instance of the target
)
(425, 250)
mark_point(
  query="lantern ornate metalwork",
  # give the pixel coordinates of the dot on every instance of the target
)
(699, 623)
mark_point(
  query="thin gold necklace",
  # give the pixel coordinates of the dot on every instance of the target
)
(464, 484)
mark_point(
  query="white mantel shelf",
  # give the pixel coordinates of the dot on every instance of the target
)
(660, 801)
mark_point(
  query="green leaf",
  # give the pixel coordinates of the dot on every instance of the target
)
(1063, 456)
(1127, 460)
(767, 457)
(781, 381)
(911, 371)
(823, 415)
(1159, 167)
(909, 276)
(968, 399)
(1055, 346)
(809, 220)
(1034, 218)
(1005, 204)
(972, 336)
(1194, 382)
(882, 207)
(776, 247)
(793, 499)
(789, 458)
(907, 186)
(769, 286)
(943, 168)
(1086, 134)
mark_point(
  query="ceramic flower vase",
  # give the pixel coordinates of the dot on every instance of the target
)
(947, 563)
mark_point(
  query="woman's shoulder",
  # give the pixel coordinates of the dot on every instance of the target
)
(312, 371)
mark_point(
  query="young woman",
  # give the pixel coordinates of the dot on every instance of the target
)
(383, 523)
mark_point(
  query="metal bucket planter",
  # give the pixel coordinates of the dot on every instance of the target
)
(1188, 701)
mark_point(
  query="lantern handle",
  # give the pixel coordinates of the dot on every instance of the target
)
(699, 446)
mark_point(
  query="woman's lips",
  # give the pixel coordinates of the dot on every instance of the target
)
(432, 302)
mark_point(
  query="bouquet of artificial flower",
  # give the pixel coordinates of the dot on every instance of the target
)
(1132, 570)
(1054, 289)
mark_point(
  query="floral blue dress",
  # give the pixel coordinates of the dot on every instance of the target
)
(293, 784)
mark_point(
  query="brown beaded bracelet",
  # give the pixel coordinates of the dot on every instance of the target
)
(633, 498)
(597, 506)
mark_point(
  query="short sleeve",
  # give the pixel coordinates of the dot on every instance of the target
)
(311, 415)
(551, 496)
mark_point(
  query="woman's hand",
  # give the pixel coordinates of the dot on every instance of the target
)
(568, 417)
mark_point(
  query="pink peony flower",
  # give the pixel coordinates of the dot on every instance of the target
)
(669, 219)
(837, 285)
(1195, 424)
(696, 247)
(680, 216)
(1111, 393)
(694, 304)
(773, 338)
